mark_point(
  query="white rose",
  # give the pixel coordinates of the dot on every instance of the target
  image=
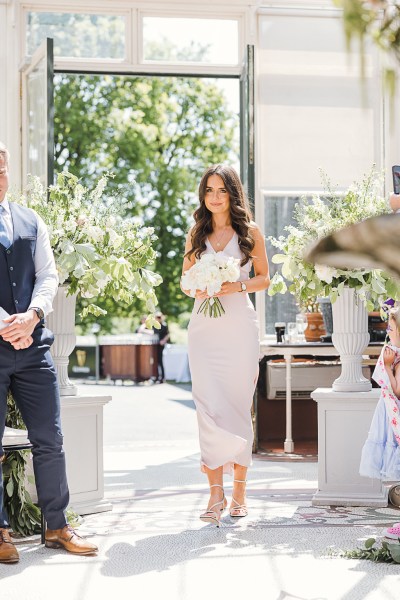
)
(116, 240)
(94, 232)
(325, 273)
(232, 272)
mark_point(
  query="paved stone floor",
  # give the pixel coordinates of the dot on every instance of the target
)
(153, 546)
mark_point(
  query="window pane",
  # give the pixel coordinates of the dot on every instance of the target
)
(278, 214)
(314, 113)
(209, 41)
(37, 122)
(314, 110)
(78, 35)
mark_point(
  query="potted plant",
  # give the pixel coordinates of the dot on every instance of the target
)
(315, 324)
(23, 514)
(98, 251)
(317, 217)
(364, 289)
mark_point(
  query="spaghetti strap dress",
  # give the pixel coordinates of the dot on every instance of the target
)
(380, 456)
(223, 357)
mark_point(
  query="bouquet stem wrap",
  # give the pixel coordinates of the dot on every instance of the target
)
(211, 306)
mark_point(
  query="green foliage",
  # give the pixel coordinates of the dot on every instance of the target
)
(157, 135)
(24, 516)
(378, 21)
(386, 552)
(317, 217)
(99, 251)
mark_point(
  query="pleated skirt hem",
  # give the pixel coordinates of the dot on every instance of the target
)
(380, 461)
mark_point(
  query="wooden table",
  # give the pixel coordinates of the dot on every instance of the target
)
(302, 349)
(138, 362)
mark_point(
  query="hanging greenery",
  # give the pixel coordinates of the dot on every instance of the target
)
(23, 514)
(379, 22)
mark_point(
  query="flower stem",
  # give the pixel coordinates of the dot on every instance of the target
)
(213, 309)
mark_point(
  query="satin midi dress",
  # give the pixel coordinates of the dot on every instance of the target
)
(223, 357)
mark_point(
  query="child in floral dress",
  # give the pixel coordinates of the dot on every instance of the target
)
(380, 456)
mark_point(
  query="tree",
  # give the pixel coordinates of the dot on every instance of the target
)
(157, 135)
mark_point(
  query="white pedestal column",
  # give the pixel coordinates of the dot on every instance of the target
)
(82, 424)
(344, 419)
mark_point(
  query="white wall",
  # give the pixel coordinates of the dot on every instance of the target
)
(314, 111)
(3, 69)
(10, 126)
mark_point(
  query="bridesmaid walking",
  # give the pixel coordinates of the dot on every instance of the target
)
(224, 351)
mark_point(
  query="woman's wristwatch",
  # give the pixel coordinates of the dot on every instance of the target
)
(243, 286)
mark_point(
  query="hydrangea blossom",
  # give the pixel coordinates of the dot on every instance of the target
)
(208, 274)
(317, 217)
(98, 249)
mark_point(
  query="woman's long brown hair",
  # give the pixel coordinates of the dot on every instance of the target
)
(239, 212)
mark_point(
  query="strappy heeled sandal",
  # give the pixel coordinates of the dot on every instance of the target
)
(214, 516)
(239, 510)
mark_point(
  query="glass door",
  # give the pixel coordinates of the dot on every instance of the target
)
(247, 170)
(38, 115)
(247, 125)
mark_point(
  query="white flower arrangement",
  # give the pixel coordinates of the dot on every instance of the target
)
(317, 217)
(208, 274)
(98, 249)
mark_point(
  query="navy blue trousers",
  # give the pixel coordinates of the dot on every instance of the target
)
(31, 377)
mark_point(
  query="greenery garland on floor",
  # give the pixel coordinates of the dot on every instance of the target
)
(23, 514)
(387, 552)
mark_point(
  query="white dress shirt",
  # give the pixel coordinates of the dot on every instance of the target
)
(46, 282)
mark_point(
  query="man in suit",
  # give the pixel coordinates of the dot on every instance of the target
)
(29, 283)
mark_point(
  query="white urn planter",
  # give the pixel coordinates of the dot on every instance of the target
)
(350, 337)
(62, 323)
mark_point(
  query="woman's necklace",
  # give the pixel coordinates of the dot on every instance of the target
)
(219, 239)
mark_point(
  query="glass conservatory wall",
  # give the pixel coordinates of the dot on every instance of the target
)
(313, 113)
(78, 35)
(212, 41)
(137, 36)
(117, 37)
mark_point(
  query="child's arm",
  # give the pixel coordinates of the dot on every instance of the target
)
(394, 201)
(397, 380)
(394, 378)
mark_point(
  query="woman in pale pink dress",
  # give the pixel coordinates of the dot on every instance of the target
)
(224, 351)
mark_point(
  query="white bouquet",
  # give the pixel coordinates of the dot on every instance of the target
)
(209, 273)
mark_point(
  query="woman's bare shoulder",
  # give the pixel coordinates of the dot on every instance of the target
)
(189, 238)
(189, 233)
(255, 229)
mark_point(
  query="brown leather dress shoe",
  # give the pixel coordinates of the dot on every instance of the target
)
(68, 539)
(8, 552)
